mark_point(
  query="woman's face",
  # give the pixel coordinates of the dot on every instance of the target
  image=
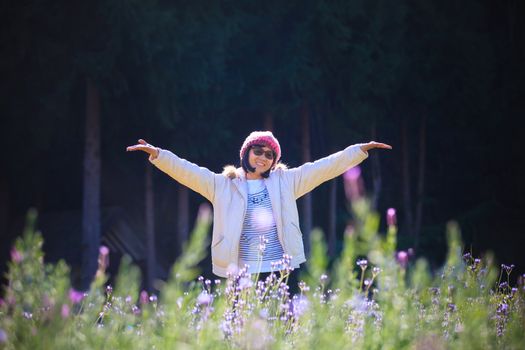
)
(258, 158)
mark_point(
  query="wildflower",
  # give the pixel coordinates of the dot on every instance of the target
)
(363, 263)
(245, 283)
(144, 297)
(75, 296)
(391, 217)
(109, 289)
(135, 309)
(3, 336)
(375, 271)
(65, 311)
(353, 183)
(16, 256)
(299, 305)
(232, 270)
(402, 258)
(349, 230)
(204, 299)
(263, 313)
(103, 259)
(451, 307)
(323, 278)
(153, 298)
(507, 268)
(128, 299)
(503, 309)
(303, 286)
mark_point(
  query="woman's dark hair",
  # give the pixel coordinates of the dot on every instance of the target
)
(245, 162)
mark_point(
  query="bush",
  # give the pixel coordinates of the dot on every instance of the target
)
(382, 300)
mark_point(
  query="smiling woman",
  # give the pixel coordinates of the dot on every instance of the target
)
(255, 212)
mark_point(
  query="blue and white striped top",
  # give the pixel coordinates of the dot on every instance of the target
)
(259, 240)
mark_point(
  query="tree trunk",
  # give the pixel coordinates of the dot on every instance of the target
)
(376, 171)
(405, 169)
(306, 201)
(268, 121)
(183, 216)
(332, 217)
(91, 188)
(421, 179)
(150, 229)
(4, 207)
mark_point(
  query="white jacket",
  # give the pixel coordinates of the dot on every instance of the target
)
(228, 194)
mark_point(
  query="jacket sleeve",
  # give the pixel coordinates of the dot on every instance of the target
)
(305, 178)
(197, 178)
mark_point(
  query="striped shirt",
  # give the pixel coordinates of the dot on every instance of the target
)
(259, 245)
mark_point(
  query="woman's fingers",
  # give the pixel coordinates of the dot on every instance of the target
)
(383, 145)
(142, 142)
(373, 144)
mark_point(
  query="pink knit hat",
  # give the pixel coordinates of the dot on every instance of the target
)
(262, 138)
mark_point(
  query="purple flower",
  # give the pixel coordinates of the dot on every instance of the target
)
(391, 217)
(362, 263)
(103, 258)
(299, 305)
(144, 298)
(75, 296)
(64, 311)
(204, 299)
(402, 258)
(353, 183)
(16, 256)
(3, 336)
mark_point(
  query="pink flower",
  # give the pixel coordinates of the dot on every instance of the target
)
(103, 258)
(103, 250)
(75, 296)
(144, 298)
(353, 183)
(402, 258)
(391, 217)
(16, 256)
(65, 311)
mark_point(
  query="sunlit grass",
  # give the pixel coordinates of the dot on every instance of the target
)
(373, 297)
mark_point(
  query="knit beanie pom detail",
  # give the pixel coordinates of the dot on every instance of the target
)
(262, 138)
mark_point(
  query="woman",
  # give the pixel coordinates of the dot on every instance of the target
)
(255, 217)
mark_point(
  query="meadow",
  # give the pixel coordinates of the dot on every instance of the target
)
(372, 297)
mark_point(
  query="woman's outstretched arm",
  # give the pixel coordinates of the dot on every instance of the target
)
(310, 175)
(197, 178)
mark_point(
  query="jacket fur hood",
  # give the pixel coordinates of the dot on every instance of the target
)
(233, 172)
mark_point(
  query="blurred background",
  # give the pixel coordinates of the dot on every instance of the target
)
(441, 81)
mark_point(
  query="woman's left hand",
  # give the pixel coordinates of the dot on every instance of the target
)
(372, 144)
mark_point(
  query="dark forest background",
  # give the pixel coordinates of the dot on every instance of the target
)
(441, 81)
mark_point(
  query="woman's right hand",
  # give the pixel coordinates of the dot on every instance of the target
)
(145, 147)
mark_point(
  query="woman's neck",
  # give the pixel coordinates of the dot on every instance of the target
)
(253, 176)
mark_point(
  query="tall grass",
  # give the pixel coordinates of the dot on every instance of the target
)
(373, 297)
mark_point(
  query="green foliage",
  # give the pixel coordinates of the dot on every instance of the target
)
(385, 302)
